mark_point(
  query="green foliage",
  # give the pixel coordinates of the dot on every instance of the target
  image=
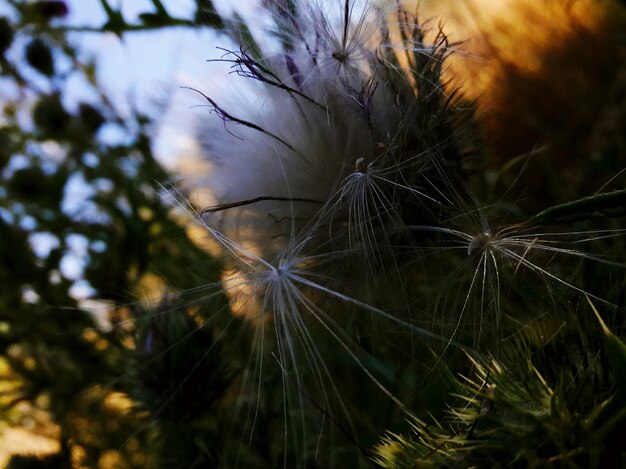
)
(542, 403)
(34, 462)
(39, 56)
(57, 357)
(6, 34)
(177, 379)
(610, 204)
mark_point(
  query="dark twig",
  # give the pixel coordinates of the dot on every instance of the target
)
(245, 66)
(227, 117)
(241, 203)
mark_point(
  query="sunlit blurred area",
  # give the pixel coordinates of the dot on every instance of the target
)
(543, 74)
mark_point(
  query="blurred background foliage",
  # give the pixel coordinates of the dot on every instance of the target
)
(94, 378)
(82, 217)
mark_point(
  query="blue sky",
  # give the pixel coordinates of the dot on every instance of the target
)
(143, 65)
(142, 69)
(148, 69)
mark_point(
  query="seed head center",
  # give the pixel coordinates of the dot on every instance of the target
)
(360, 165)
(340, 56)
(482, 242)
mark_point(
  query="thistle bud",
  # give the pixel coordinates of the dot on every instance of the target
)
(48, 9)
(50, 116)
(206, 14)
(6, 34)
(39, 56)
(90, 117)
